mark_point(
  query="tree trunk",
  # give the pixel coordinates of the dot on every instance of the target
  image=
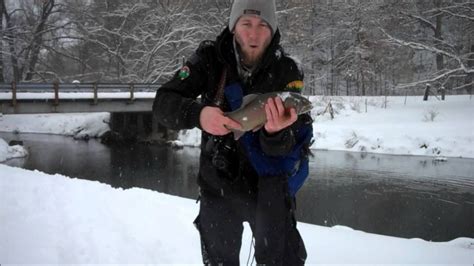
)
(313, 47)
(332, 63)
(427, 92)
(347, 87)
(470, 77)
(439, 38)
(2, 78)
(362, 80)
(11, 43)
(38, 37)
(357, 84)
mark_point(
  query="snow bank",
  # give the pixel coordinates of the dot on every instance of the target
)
(392, 125)
(379, 125)
(79, 125)
(53, 219)
(9, 152)
(388, 125)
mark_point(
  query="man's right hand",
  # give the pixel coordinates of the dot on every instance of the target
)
(214, 122)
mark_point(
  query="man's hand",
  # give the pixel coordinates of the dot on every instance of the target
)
(278, 117)
(214, 122)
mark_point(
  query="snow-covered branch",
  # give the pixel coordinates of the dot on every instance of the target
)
(421, 46)
(430, 80)
(471, 18)
(463, 10)
(425, 22)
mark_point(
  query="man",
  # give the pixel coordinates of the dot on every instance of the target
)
(246, 58)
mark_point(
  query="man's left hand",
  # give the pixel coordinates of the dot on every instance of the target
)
(278, 117)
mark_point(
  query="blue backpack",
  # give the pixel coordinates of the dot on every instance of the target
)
(293, 165)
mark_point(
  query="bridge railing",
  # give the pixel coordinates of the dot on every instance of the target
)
(78, 87)
(95, 88)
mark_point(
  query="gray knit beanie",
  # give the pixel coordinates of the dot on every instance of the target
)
(266, 9)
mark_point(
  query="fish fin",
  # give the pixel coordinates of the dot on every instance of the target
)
(257, 128)
(247, 99)
(237, 133)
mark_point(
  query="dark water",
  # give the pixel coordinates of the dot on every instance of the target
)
(405, 196)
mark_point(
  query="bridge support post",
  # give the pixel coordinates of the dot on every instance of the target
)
(155, 127)
(94, 87)
(141, 130)
(141, 126)
(132, 91)
(56, 93)
(13, 93)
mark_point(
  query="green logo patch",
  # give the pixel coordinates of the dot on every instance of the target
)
(184, 72)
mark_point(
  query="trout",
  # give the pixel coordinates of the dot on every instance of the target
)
(251, 114)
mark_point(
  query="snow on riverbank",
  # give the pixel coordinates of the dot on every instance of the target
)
(78, 125)
(433, 128)
(53, 219)
(8, 152)
(392, 125)
(389, 125)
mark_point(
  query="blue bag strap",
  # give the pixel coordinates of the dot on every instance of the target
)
(234, 95)
(291, 165)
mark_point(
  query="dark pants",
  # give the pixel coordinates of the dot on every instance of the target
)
(270, 214)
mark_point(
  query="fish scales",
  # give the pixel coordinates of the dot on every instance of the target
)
(251, 115)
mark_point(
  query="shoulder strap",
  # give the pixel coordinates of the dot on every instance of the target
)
(219, 98)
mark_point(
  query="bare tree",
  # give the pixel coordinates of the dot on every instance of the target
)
(145, 41)
(448, 22)
(345, 47)
(27, 23)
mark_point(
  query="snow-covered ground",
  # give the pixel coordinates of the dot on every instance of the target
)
(433, 128)
(55, 219)
(392, 125)
(14, 151)
(77, 125)
(389, 125)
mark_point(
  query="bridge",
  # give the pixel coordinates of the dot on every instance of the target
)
(130, 105)
(30, 98)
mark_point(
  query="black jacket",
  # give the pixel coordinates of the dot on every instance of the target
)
(176, 106)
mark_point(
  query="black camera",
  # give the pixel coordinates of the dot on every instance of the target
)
(223, 149)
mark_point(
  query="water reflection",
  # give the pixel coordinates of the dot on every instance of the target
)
(155, 167)
(147, 166)
(407, 196)
(404, 196)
